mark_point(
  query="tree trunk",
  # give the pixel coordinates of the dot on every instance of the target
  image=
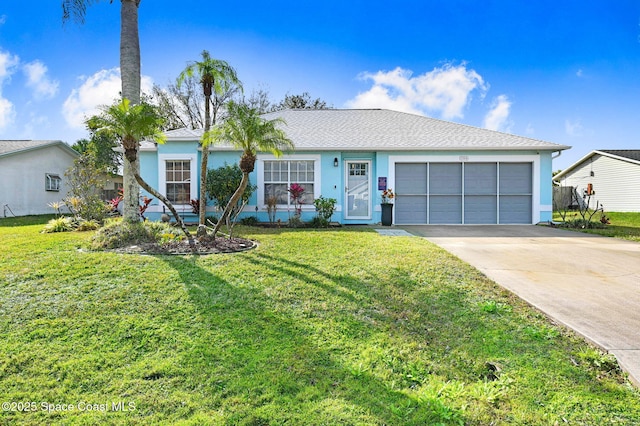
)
(130, 75)
(130, 51)
(167, 203)
(202, 229)
(232, 202)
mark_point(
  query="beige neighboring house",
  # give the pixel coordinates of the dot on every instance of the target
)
(32, 175)
(612, 177)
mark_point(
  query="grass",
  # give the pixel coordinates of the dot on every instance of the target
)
(623, 225)
(312, 327)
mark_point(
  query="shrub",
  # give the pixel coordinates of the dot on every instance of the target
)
(249, 221)
(119, 233)
(59, 224)
(87, 225)
(325, 208)
(582, 224)
(319, 222)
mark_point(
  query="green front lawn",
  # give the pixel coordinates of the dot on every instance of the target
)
(312, 327)
(623, 225)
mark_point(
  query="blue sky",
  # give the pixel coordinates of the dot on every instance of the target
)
(565, 72)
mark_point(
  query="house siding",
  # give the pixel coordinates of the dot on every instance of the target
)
(22, 180)
(616, 182)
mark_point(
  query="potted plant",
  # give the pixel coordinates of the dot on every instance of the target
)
(387, 206)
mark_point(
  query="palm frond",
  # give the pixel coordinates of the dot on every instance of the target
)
(75, 10)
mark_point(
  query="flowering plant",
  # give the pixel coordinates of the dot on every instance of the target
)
(387, 196)
(295, 192)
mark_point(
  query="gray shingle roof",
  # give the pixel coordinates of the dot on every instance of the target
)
(14, 146)
(631, 154)
(385, 130)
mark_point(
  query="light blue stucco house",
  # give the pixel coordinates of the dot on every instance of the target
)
(441, 172)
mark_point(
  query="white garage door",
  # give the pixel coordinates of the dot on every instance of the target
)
(463, 193)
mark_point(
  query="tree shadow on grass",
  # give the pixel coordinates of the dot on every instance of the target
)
(260, 362)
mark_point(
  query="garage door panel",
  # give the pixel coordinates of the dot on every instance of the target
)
(515, 178)
(480, 178)
(480, 209)
(411, 179)
(515, 209)
(445, 178)
(411, 209)
(445, 209)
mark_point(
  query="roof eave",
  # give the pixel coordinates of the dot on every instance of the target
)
(61, 144)
(586, 157)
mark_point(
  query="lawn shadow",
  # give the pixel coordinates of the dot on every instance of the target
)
(263, 364)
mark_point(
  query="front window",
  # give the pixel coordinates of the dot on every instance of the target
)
(279, 175)
(178, 180)
(52, 182)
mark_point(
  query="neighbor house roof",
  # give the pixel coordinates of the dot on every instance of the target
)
(627, 155)
(384, 130)
(11, 147)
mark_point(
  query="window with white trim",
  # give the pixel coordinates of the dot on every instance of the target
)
(178, 181)
(52, 182)
(279, 175)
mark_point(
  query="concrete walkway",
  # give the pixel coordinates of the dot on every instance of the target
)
(589, 283)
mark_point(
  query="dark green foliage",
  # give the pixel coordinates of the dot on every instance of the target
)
(302, 101)
(249, 221)
(223, 182)
(86, 180)
(325, 207)
(100, 148)
(582, 224)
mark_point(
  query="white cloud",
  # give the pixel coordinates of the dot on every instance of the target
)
(530, 130)
(579, 73)
(102, 88)
(445, 90)
(573, 128)
(498, 117)
(8, 64)
(38, 80)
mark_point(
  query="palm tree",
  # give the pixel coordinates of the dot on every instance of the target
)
(130, 74)
(247, 131)
(131, 124)
(216, 77)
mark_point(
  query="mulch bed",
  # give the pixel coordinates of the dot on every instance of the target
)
(204, 245)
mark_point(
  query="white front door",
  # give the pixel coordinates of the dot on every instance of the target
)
(358, 190)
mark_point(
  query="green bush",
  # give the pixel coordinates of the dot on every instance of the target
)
(249, 221)
(325, 207)
(119, 233)
(223, 182)
(60, 224)
(319, 222)
(582, 224)
(87, 225)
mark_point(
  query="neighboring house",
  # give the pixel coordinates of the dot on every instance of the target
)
(441, 172)
(611, 176)
(32, 175)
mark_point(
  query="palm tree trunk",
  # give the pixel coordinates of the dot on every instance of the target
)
(130, 51)
(130, 75)
(232, 202)
(167, 203)
(202, 229)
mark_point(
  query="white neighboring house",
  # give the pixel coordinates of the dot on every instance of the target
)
(612, 176)
(32, 175)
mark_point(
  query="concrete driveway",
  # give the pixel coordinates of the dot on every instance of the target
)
(589, 283)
